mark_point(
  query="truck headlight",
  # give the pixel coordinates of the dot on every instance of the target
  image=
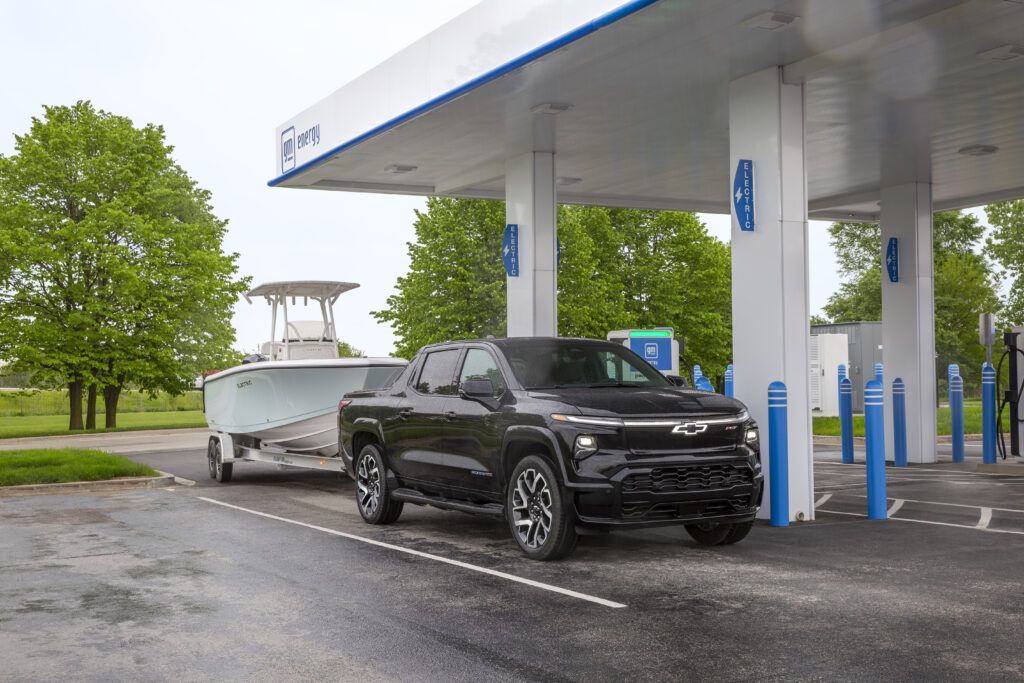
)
(585, 446)
(752, 435)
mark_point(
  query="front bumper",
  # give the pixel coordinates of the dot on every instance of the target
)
(673, 491)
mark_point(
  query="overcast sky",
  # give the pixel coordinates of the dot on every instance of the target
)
(220, 76)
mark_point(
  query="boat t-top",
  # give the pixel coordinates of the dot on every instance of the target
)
(281, 405)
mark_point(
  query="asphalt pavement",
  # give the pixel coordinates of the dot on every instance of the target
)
(275, 577)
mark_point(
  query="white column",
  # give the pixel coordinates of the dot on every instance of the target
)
(770, 307)
(908, 316)
(530, 204)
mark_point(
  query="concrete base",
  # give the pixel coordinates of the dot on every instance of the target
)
(1008, 466)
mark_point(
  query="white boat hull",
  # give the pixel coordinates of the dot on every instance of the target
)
(289, 405)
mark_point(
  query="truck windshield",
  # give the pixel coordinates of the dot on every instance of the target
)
(556, 363)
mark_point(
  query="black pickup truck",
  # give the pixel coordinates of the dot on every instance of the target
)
(558, 436)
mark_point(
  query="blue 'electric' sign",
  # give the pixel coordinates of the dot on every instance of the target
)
(892, 259)
(510, 250)
(743, 194)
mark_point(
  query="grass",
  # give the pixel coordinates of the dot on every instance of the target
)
(48, 402)
(57, 425)
(829, 426)
(56, 465)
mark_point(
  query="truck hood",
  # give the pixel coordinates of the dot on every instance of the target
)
(641, 401)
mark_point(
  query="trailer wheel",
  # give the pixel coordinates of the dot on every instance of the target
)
(219, 470)
(211, 457)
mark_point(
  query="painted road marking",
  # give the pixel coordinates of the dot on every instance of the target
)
(955, 505)
(417, 553)
(924, 521)
(986, 517)
(821, 501)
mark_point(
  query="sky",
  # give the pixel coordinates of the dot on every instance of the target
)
(220, 76)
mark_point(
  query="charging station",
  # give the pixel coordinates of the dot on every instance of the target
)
(659, 346)
(1010, 398)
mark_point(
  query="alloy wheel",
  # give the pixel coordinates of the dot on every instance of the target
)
(368, 482)
(531, 508)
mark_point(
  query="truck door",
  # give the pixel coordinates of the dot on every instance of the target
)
(474, 438)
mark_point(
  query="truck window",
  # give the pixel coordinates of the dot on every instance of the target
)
(481, 365)
(438, 373)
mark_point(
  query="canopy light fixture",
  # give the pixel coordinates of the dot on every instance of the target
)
(978, 150)
(400, 168)
(550, 108)
(770, 21)
(1003, 53)
(566, 180)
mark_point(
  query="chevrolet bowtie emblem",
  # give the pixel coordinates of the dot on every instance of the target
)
(689, 428)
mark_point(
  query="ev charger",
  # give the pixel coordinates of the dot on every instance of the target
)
(1015, 389)
(659, 346)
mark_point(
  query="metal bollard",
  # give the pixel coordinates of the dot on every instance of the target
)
(899, 422)
(729, 374)
(879, 373)
(697, 374)
(846, 418)
(778, 454)
(874, 430)
(952, 371)
(956, 409)
(988, 414)
(704, 384)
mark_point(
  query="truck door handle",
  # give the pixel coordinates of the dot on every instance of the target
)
(451, 414)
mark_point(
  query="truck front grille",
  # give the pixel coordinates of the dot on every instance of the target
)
(691, 478)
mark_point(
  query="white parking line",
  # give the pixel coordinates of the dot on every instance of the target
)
(821, 501)
(986, 517)
(896, 505)
(924, 521)
(438, 558)
(955, 505)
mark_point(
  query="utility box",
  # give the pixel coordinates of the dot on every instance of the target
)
(659, 346)
(828, 351)
(864, 343)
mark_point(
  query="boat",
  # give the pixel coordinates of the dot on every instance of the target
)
(285, 398)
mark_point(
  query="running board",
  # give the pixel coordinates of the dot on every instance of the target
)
(410, 496)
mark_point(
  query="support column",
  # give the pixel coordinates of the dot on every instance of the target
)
(770, 309)
(908, 315)
(530, 204)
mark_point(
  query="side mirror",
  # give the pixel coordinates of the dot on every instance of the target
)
(477, 388)
(678, 381)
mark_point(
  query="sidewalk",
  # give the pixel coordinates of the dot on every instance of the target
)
(118, 442)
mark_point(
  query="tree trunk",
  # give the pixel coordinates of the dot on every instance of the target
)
(111, 394)
(90, 407)
(75, 391)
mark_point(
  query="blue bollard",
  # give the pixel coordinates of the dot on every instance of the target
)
(697, 374)
(704, 384)
(899, 422)
(846, 418)
(778, 454)
(988, 414)
(841, 373)
(956, 409)
(879, 374)
(952, 371)
(729, 374)
(874, 430)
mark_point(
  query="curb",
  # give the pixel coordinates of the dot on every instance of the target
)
(89, 486)
(859, 440)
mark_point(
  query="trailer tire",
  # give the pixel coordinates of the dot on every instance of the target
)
(219, 470)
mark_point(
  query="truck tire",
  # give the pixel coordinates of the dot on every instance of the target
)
(541, 518)
(372, 496)
(719, 534)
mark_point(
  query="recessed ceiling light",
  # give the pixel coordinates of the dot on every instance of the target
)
(770, 21)
(978, 150)
(550, 108)
(1003, 53)
(400, 168)
(567, 180)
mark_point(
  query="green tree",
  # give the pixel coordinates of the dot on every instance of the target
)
(111, 266)
(1005, 246)
(346, 350)
(964, 285)
(619, 268)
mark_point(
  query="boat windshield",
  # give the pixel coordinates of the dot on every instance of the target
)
(576, 363)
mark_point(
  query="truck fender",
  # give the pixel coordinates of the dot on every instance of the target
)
(539, 435)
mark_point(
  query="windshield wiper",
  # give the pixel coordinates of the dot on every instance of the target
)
(614, 383)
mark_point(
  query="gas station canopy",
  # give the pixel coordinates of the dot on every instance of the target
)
(902, 91)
